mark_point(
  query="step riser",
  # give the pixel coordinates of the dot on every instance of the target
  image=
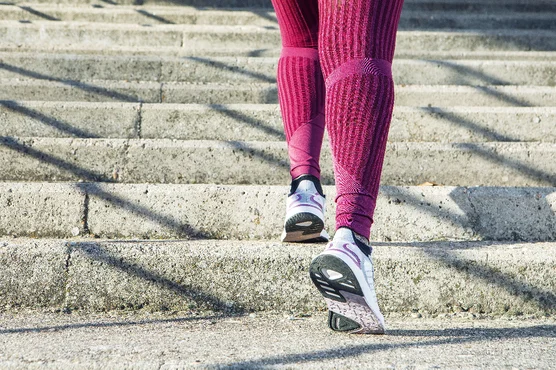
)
(195, 37)
(261, 122)
(257, 70)
(201, 162)
(152, 92)
(409, 20)
(469, 6)
(184, 211)
(101, 276)
(272, 52)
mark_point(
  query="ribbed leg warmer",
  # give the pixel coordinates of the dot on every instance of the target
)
(356, 40)
(301, 85)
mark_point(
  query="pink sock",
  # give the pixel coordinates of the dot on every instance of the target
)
(301, 85)
(356, 47)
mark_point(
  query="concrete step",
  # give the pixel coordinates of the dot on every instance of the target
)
(481, 6)
(186, 340)
(193, 37)
(162, 211)
(442, 5)
(38, 87)
(197, 69)
(253, 122)
(270, 52)
(264, 17)
(234, 162)
(153, 15)
(491, 279)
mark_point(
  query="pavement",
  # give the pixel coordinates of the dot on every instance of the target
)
(186, 340)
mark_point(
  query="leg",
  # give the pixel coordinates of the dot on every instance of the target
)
(301, 93)
(356, 47)
(300, 84)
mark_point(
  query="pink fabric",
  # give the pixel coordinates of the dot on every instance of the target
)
(355, 40)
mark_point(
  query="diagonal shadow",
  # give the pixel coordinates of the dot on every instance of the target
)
(545, 300)
(223, 66)
(243, 118)
(95, 252)
(102, 325)
(534, 174)
(82, 173)
(462, 337)
(489, 80)
(245, 148)
(73, 83)
(49, 121)
(180, 228)
(94, 189)
(153, 16)
(39, 14)
(489, 134)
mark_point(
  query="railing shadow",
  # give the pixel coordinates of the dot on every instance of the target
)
(39, 14)
(95, 252)
(114, 324)
(249, 121)
(47, 120)
(180, 228)
(223, 66)
(89, 88)
(445, 337)
(154, 16)
(446, 254)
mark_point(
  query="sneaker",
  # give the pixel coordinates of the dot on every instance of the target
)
(305, 208)
(343, 274)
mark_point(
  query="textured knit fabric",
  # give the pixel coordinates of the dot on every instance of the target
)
(301, 85)
(356, 40)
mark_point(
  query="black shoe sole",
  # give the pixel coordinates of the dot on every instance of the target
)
(304, 227)
(343, 295)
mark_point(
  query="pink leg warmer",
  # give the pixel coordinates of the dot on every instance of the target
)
(356, 47)
(300, 84)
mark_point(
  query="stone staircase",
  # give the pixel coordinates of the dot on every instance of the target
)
(143, 163)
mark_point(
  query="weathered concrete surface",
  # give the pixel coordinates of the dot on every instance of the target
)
(162, 15)
(429, 278)
(232, 212)
(69, 119)
(262, 122)
(446, 5)
(40, 88)
(265, 163)
(258, 37)
(41, 209)
(266, 17)
(261, 93)
(32, 273)
(201, 69)
(160, 211)
(188, 341)
(268, 52)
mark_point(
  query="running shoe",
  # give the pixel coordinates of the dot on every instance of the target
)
(343, 274)
(305, 209)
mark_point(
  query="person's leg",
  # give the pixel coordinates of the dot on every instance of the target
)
(301, 94)
(300, 84)
(356, 47)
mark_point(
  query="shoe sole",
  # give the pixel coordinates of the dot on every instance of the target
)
(343, 294)
(304, 227)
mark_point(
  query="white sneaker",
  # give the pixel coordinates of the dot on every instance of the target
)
(305, 209)
(343, 274)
